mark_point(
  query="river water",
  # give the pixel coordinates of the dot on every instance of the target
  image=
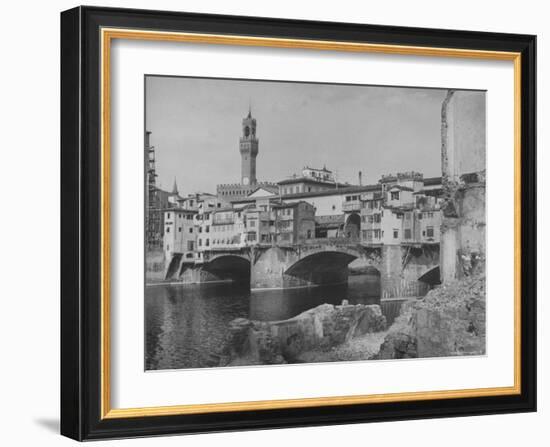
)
(186, 326)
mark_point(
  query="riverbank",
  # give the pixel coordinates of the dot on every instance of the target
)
(448, 321)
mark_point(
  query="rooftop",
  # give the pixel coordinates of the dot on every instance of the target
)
(401, 187)
(327, 192)
(304, 179)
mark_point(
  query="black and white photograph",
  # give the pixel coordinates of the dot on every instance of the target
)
(294, 222)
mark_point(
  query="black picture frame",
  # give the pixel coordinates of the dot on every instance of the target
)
(81, 223)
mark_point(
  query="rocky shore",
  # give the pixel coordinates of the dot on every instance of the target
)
(310, 336)
(448, 321)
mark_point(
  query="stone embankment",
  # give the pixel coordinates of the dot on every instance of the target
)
(448, 321)
(309, 337)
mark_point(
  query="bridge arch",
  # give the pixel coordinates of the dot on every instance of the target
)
(352, 226)
(320, 267)
(229, 267)
(432, 277)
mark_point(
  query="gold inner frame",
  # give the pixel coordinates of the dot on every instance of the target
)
(107, 35)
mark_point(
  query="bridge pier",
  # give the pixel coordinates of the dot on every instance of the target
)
(197, 275)
(400, 270)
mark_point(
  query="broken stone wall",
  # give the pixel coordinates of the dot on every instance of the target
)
(463, 153)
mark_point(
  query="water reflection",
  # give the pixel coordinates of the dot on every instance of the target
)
(269, 305)
(187, 326)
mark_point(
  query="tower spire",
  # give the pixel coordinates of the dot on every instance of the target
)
(249, 109)
(175, 187)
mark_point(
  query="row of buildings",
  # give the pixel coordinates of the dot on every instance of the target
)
(398, 209)
(401, 209)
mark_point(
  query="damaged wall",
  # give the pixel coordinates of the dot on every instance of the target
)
(463, 161)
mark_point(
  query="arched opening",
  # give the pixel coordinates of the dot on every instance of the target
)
(432, 277)
(352, 226)
(230, 267)
(325, 267)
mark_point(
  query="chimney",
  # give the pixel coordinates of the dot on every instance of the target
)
(360, 178)
(147, 139)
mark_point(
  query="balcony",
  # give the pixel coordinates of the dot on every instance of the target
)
(351, 206)
(224, 221)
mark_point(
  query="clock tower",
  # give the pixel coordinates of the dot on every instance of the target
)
(249, 150)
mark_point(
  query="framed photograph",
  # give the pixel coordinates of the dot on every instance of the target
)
(276, 223)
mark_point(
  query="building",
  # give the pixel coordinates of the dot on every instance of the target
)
(233, 192)
(323, 175)
(203, 224)
(294, 222)
(311, 180)
(228, 228)
(179, 233)
(248, 148)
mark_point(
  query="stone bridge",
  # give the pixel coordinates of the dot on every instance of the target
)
(405, 270)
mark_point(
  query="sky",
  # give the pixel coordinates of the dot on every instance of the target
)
(196, 124)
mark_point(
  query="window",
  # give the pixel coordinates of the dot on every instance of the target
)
(190, 245)
(168, 215)
(168, 229)
(419, 216)
(190, 229)
(189, 255)
(407, 233)
(430, 231)
(179, 229)
(207, 242)
(252, 223)
(333, 207)
(207, 229)
(407, 216)
(200, 242)
(394, 195)
(395, 233)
